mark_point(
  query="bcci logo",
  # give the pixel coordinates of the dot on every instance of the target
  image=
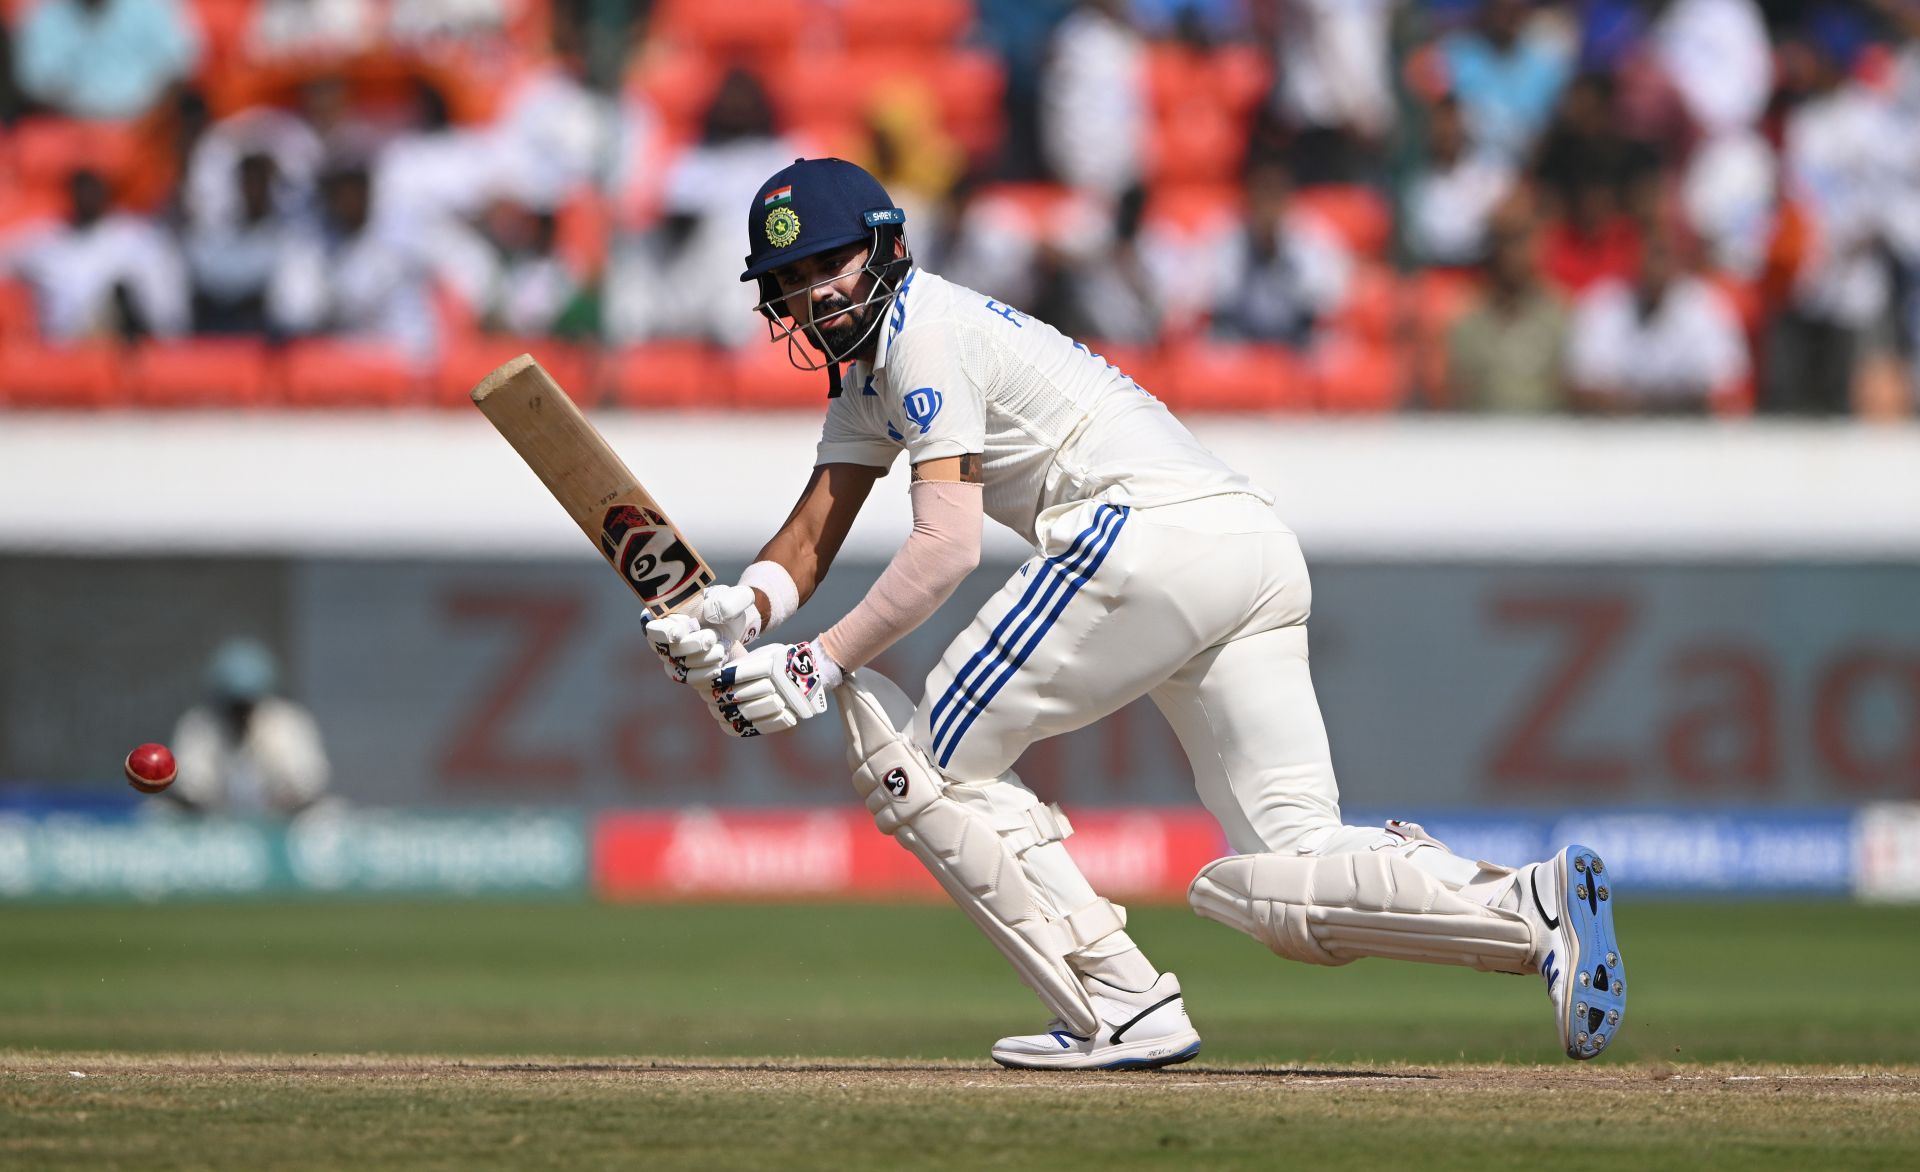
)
(896, 782)
(783, 227)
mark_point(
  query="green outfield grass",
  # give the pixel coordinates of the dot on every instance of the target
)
(274, 990)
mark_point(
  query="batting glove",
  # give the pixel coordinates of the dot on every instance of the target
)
(773, 688)
(692, 644)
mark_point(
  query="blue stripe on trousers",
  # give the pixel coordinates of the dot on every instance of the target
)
(1075, 582)
(962, 684)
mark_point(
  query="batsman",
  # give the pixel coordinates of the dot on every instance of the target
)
(1159, 571)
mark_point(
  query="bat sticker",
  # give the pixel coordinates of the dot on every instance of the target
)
(653, 559)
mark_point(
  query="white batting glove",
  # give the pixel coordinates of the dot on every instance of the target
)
(773, 688)
(694, 643)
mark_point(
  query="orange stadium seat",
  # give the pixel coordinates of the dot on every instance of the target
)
(466, 360)
(1233, 376)
(921, 23)
(681, 375)
(46, 149)
(1372, 309)
(35, 375)
(1139, 363)
(1356, 376)
(18, 319)
(201, 372)
(749, 27)
(1200, 144)
(1193, 209)
(764, 379)
(223, 31)
(1357, 214)
(678, 85)
(324, 372)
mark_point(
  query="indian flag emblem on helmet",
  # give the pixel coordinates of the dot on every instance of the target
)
(783, 226)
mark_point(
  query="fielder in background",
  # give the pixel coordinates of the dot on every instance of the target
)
(246, 751)
(1158, 571)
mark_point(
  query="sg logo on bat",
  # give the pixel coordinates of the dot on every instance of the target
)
(652, 557)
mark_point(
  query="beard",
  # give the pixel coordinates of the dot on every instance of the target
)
(839, 333)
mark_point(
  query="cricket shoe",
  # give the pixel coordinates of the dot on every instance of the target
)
(1570, 897)
(1137, 1031)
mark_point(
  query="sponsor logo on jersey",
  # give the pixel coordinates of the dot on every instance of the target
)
(923, 406)
(783, 226)
(896, 782)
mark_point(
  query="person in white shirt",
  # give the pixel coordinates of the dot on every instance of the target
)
(102, 274)
(1093, 100)
(245, 750)
(1452, 199)
(1159, 571)
(1666, 344)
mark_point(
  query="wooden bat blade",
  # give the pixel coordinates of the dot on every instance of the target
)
(593, 484)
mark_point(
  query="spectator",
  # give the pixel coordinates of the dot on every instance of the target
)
(212, 199)
(1451, 199)
(312, 28)
(1593, 240)
(104, 58)
(1113, 293)
(1834, 162)
(1093, 100)
(1505, 355)
(535, 292)
(1716, 54)
(1278, 274)
(435, 170)
(1334, 90)
(1507, 78)
(244, 750)
(1585, 145)
(103, 274)
(421, 22)
(353, 277)
(232, 260)
(1667, 343)
(680, 278)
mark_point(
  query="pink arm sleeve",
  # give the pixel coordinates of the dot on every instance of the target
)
(943, 548)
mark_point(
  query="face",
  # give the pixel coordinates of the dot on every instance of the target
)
(826, 292)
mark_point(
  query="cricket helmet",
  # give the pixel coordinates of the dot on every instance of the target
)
(815, 206)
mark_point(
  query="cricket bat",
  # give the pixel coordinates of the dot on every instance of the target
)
(593, 485)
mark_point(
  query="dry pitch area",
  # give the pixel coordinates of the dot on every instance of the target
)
(212, 1111)
(238, 1036)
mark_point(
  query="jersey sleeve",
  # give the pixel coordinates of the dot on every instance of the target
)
(851, 435)
(931, 404)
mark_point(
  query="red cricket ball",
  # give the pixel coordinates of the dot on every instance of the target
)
(150, 768)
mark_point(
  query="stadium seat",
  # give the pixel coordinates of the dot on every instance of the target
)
(1357, 214)
(1198, 144)
(754, 28)
(223, 32)
(47, 149)
(325, 372)
(674, 375)
(1234, 376)
(466, 360)
(200, 372)
(764, 379)
(679, 86)
(18, 319)
(1193, 209)
(583, 230)
(1358, 376)
(82, 377)
(1139, 363)
(918, 24)
(1372, 308)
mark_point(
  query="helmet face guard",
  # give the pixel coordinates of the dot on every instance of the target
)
(807, 349)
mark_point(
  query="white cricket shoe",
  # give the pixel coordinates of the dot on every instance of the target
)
(1568, 898)
(1137, 1031)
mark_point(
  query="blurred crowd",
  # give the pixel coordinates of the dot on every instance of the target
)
(1595, 206)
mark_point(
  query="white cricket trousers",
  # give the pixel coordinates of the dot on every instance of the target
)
(1203, 606)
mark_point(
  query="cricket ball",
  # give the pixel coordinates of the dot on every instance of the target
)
(150, 768)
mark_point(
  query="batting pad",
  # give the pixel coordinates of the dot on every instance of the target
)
(972, 839)
(1333, 909)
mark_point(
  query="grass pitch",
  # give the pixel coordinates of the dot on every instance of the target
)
(389, 1035)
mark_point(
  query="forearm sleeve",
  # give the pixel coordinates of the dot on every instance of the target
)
(943, 548)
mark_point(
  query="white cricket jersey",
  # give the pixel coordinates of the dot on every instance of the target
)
(957, 372)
